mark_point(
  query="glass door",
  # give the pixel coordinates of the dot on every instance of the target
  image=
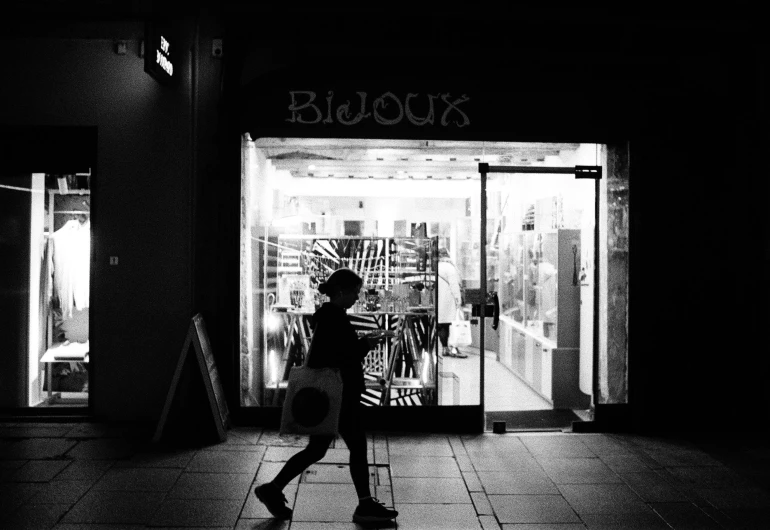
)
(538, 324)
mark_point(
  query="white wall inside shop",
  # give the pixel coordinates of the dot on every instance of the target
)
(386, 208)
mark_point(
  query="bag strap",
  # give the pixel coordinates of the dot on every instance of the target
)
(309, 351)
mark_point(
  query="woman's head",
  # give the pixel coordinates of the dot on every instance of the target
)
(342, 283)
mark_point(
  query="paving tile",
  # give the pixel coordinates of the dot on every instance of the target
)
(569, 526)
(281, 454)
(532, 509)
(176, 459)
(709, 477)
(116, 507)
(61, 492)
(437, 517)
(464, 462)
(236, 447)
(253, 509)
(89, 430)
(224, 462)
(35, 516)
(268, 470)
(102, 449)
(456, 442)
(472, 481)
(325, 503)
(85, 470)
(424, 466)
(555, 446)
(38, 471)
(12, 464)
(13, 495)
(333, 474)
(138, 479)
(517, 483)
(36, 449)
(652, 487)
(547, 526)
(637, 521)
(272, 438)
(736, 498)
(748, 519)
(244, 435)
(33, 431)
(602, 498)
(579, 471)
(342, 456)
(419, 445)
(384, 475)
(193, 512)
(501, 462)
(384, 494)
(328, 526)
(77, 526)
(481, 503)
(430, 491)
(605, 445)
(681, 457)
(684, 516)
(332, 456)
(489, 522)
(506, 444)
(267, 524)
(625, 463)
(212, 486)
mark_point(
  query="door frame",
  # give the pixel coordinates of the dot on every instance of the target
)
(580, 172)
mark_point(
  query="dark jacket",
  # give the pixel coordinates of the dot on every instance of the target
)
(335, 344)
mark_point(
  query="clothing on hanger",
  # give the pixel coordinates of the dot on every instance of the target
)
(70, 265)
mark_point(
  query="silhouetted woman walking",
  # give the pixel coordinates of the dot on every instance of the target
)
(335, 344)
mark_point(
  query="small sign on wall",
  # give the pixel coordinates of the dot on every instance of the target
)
(161, 52)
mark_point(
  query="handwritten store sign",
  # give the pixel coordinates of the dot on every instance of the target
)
(158, 60)
(443, 109)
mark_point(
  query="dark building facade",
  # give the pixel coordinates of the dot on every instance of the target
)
(678, 101)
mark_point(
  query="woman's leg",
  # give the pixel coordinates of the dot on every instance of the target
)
(315, 451)
(443, 333)
(355, 439)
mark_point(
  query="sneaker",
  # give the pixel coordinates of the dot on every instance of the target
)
(457, 353)
(372, 511)
(274, 500)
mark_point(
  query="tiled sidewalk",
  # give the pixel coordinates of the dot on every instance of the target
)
(88, 476)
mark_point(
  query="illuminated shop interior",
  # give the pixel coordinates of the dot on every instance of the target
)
(387, 209)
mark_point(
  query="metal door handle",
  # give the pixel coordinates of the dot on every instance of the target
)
(496, 313)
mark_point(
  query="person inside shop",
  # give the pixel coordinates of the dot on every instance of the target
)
(336, 345)
(450, 300)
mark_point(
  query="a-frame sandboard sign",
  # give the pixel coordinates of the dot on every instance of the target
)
(198, 341)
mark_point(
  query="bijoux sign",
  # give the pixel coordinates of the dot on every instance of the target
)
(159, 47)
(440, 109)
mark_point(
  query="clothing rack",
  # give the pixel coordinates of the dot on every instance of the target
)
(73, 212)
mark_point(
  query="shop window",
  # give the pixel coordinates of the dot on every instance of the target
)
(381, 209)
(49, 254)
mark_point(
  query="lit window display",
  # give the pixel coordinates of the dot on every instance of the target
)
(392, 210)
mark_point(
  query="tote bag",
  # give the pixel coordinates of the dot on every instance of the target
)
(459, 332)
(313, 401)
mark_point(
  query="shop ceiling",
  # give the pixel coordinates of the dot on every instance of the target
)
(417, 159)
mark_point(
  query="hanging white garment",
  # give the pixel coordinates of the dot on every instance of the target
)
(71, 265)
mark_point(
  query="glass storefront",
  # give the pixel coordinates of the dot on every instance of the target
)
(401, 213)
